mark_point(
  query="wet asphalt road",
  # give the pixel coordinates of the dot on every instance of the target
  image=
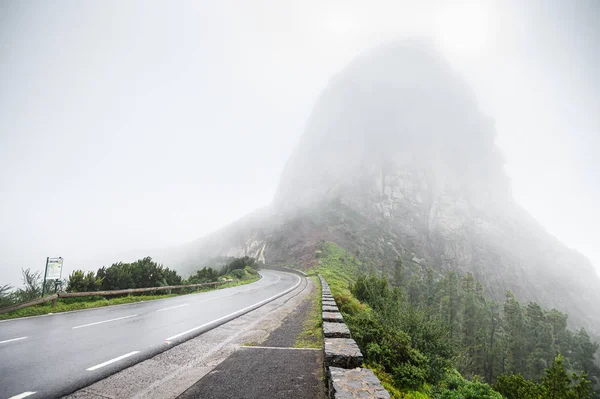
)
(54, 355)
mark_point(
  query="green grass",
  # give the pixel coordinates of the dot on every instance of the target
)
(70, 304)
(340, 270)
(312, 334)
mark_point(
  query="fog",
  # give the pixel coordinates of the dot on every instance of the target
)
(126, 127)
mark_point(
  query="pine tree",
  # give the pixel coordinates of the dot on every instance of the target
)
(398, 272)
(450, 305)
(539, 344)
(582, 357)
(556, 382)
(514, 323)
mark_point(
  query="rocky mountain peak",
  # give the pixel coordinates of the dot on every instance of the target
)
(399, 109)
(397, 160)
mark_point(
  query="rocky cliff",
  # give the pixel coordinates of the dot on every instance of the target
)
(397, 160)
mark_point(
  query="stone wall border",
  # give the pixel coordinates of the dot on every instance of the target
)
(342, 358)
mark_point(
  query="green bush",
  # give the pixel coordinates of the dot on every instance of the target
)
(454, 386)
(204, 275)
(410, 376)
(83, 282)
(238, 273)
(239, 263)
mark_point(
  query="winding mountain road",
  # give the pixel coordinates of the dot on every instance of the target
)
(53, 355)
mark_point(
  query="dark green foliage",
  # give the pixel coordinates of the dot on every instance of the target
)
(424, 327)
(83, 282)
(204, 275)
(488, 339)
(454, 386)
(514, 386)
(555, 384)
(6, 296)
(143, 273)
(582, 357)
(238, 263)
(146, 273)
(373, 291)
(238, 273)
(398, 337)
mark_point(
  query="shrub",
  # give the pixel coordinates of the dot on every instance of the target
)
(238, 273)
(454, 386)
(204, 275)
(6, 296)
(82, 282)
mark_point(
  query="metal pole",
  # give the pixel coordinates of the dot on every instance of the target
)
(45, 274)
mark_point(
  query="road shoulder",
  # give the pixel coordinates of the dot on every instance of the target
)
(274, 367)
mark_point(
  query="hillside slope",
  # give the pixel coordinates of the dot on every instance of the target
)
(397, 160)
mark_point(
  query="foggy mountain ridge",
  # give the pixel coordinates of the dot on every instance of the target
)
(397, 160)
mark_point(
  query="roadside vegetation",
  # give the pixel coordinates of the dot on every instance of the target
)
(143, 273)
(441, 338)
(312, 333)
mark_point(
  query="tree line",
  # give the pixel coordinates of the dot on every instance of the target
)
(420, 327)
(146, 273)
(143, 273)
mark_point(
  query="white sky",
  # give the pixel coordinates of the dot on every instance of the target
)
(129, 126)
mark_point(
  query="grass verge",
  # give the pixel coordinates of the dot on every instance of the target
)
(340, 269)
(70, 304)
(312, 334)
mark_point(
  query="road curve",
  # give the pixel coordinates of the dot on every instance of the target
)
(54, 355)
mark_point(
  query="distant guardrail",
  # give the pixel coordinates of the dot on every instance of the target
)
(54, 297)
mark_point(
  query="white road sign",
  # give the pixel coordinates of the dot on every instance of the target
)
(54, 268)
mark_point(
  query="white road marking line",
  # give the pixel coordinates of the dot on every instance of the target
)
(106, 321)
(116, 359)
(173, 307)
(237, 293)
(231, 314)
(23, 395)
(11, 340)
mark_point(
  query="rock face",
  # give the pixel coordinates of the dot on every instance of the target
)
(397, 160)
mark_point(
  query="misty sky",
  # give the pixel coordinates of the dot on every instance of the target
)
(130, 126)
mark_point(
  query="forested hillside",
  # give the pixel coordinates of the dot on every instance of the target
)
(441, 336)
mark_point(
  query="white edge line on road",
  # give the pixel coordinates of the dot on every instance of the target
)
(116, 359)
(11, 340)
(173, 307)
(105, 321)
(23, 395)
(234, 313)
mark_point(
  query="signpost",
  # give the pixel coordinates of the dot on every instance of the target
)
(53, 271)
